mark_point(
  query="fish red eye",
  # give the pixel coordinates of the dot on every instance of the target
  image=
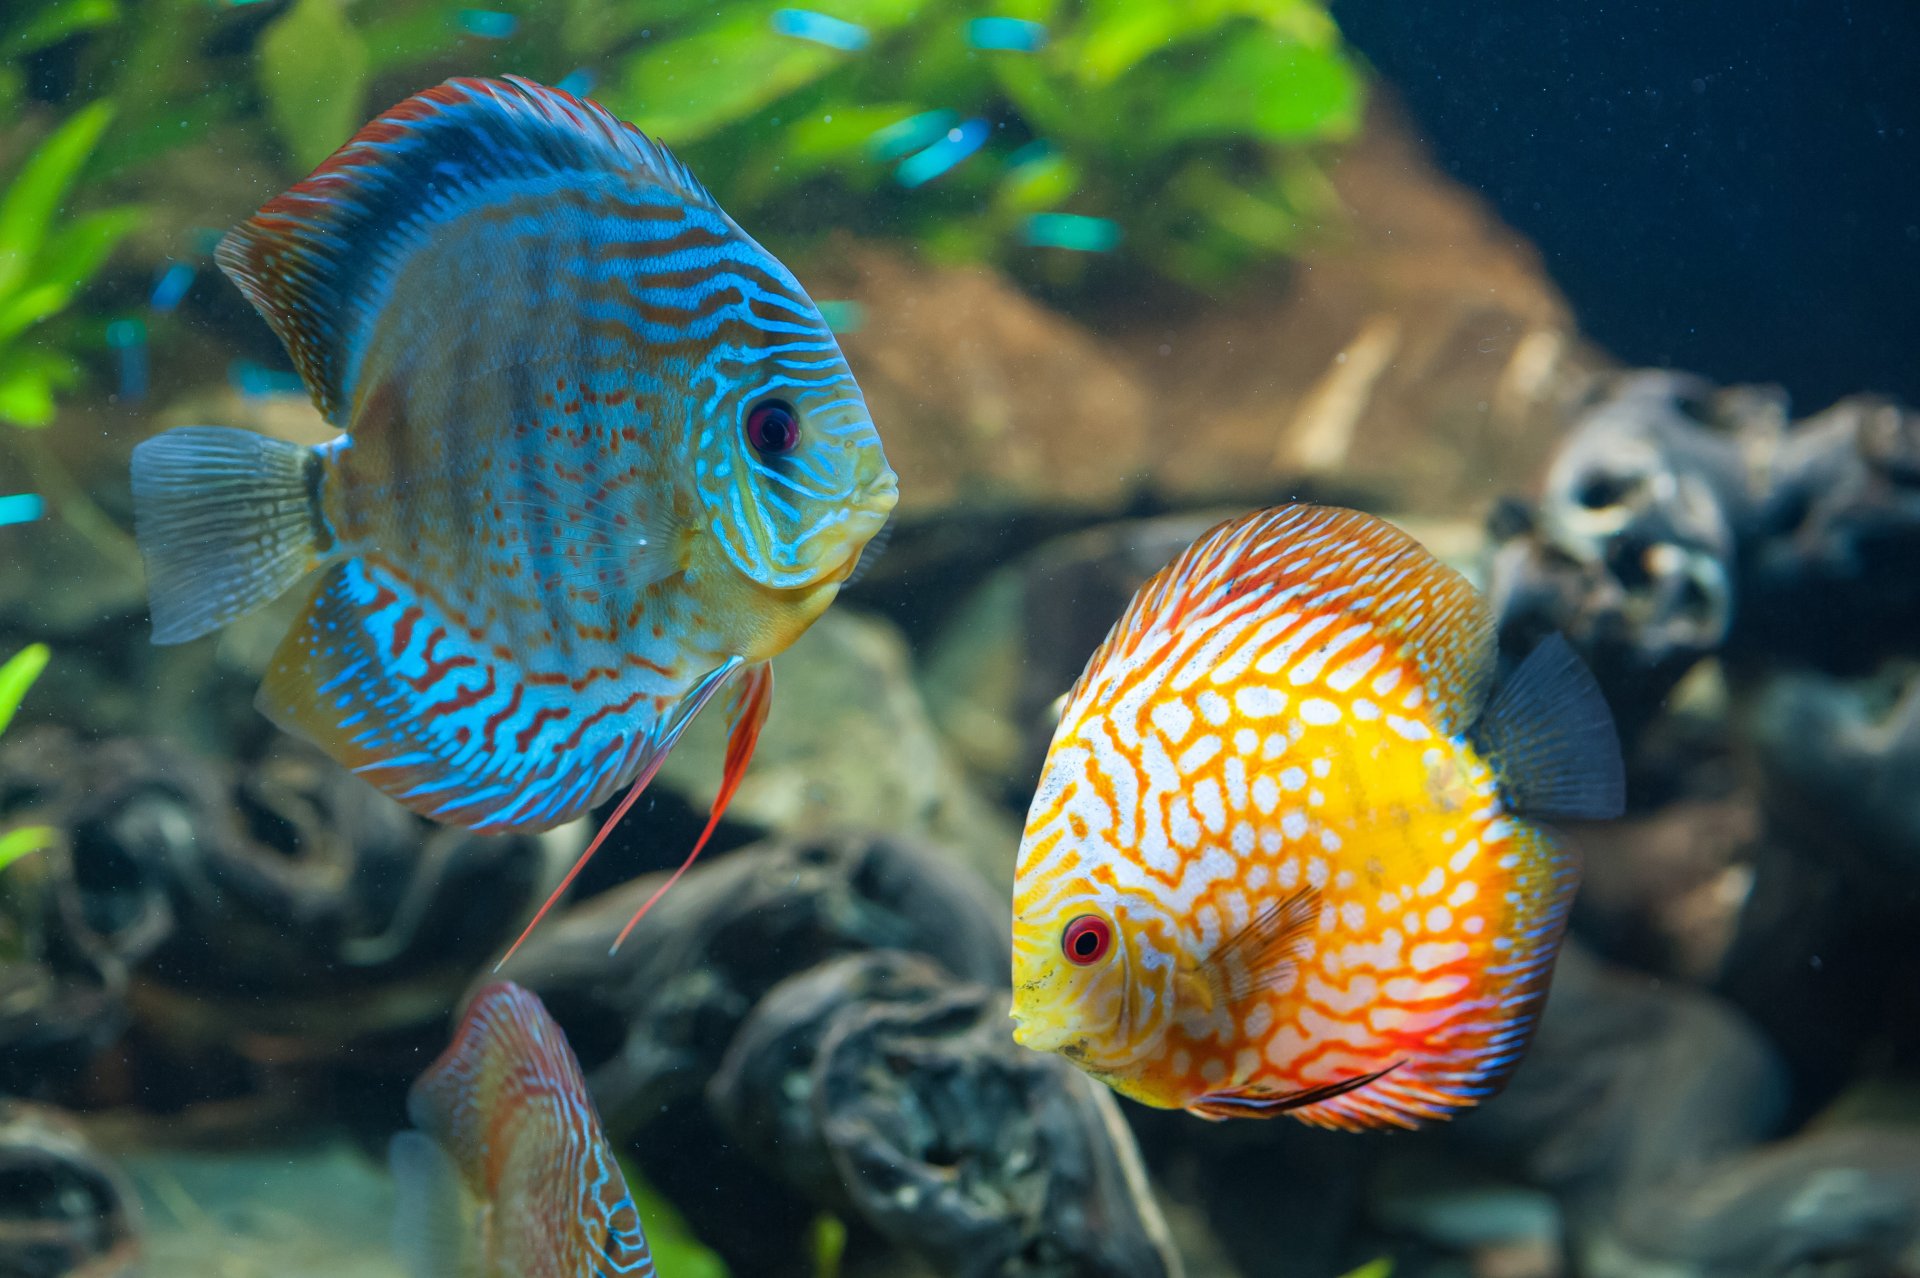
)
(1086, 939)
(773, 427)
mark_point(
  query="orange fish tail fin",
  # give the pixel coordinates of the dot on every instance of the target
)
(1551, 740)
(1304, 560)
(751, 701)
(227, 520)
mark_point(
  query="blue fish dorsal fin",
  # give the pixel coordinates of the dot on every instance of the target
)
(317, 262)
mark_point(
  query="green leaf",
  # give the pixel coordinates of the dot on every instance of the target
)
(76, 251)
(1381, 1268)
(313, 71)
(18, 844)
(828, 1242)
(55, 22)
(1042, 184)
(40, 187)
(1268, 87)
(17, 676)
(26, 395)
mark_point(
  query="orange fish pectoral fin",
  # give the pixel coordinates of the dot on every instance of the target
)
(1266, 952)
(747, 709)
(1248, 1102)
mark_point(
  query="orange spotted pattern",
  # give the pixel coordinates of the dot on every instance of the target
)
(1262, 790)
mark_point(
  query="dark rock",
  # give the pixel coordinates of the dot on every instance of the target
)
(898, 1092)
(64, 1210)
(835, 1009)
(285, 911)
(1633, 552)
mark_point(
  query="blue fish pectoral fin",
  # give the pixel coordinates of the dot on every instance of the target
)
(387, 683)
(434, 1234)
(1263, 954)
(1551, 740)
(651, 758)
(1251, 1103)
(752, 697)
(226, 520)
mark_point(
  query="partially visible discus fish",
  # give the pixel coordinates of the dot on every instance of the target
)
(602, 457)
(510, 1174)
(1280, 859)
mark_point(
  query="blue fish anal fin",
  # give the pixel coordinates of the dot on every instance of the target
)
(1550, 739)
(653, 754)
(318, 261)
(433, 1228)
(227, 520)
(382, 679)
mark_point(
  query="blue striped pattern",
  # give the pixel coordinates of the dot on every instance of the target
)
(544, 340)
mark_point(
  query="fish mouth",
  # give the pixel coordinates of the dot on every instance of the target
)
(869, 514)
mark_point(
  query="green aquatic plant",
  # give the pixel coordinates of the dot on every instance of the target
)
(46, 257)
(1190, 132)
(1188, 136)
(16, 676)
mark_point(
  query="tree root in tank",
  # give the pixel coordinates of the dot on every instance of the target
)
(829, 1017)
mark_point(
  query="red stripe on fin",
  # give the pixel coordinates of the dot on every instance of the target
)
(1322, 558)
(317, 261)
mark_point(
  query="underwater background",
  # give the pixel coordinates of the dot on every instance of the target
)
(1616, 308)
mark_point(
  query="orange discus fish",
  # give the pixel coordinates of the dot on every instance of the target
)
(1280, 858)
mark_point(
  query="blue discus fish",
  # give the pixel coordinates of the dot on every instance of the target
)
(510, 1174)
(602, 458)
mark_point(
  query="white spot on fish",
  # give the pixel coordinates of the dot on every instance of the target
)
(1213, 707)
(1439, 919)
(1294, 824)
(1319, 712)
(1207, 801)
(1173, 719)
(1411, 729)
(1266, 795)
(1258, 701)
(1354, 915)
(1434, 881)
(1463, 891)
(1431, 954)
(1293, 779)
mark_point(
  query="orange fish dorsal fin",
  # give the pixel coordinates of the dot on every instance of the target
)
(1305, 559)
(319, 261)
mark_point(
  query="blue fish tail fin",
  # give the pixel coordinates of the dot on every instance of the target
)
(1551, 740)
(433, 1230)
(226, 520)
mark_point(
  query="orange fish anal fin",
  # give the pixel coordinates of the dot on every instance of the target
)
(752, 696)
(1264, 954)
(1249, 1103)
(654, 756)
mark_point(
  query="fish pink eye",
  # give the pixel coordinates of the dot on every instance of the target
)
(773, 427)
(1086, 939)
